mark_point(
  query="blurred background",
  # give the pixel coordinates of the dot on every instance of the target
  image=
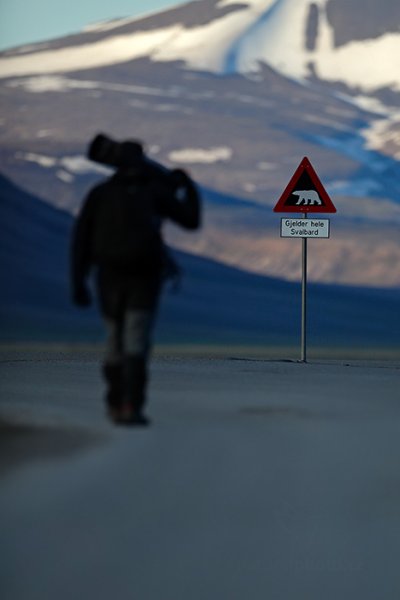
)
(237, 93)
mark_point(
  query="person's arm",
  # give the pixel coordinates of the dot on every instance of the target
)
(80, 253)
(181, 202)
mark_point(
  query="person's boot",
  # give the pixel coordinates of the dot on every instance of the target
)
(135, 381)
(113, 375)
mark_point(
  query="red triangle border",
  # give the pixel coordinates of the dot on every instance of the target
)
(328, 206)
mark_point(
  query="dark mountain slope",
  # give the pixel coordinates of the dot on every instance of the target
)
(217, 304)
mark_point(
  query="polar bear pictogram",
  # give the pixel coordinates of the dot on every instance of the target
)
(307, 197)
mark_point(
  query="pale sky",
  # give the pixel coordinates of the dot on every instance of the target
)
(28, 21)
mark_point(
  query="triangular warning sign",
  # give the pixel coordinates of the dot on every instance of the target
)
(305, 193)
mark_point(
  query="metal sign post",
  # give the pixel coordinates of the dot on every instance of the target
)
(304, 299)
(304, 194)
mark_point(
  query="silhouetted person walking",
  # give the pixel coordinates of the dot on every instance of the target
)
(118, 231)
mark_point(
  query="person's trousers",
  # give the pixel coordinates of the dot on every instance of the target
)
(128, 305)
(126, 358)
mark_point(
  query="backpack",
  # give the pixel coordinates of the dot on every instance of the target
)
(127, 227)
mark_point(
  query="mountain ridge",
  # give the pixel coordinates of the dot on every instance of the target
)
(298, 38)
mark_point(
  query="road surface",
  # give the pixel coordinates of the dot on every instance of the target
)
(259, 479)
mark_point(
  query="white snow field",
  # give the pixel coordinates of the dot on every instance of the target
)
(259, 479)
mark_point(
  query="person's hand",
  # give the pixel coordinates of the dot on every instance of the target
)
(81, 296)
(180, 177)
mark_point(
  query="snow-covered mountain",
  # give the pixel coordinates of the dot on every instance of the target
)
(348, 41)
(237, 92)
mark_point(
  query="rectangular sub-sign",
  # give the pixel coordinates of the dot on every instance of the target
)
(305, 228)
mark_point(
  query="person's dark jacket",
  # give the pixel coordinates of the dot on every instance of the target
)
(119, 225)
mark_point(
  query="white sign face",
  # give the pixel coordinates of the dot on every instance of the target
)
(305, 228)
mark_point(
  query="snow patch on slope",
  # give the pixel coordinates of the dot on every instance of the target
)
(78, 164)
(109, 51)
(383, 132)
(225, 3)
(201, 155)
(57, 83)
(278, 39)
(207, 47)
(383, 129)
(370, 64)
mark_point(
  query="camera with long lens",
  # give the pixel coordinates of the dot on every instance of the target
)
(105, 150)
